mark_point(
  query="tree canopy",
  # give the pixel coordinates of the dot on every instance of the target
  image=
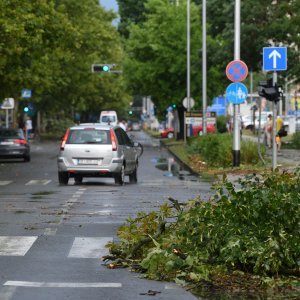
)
(49, 46)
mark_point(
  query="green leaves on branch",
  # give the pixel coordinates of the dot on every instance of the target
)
(251, 226)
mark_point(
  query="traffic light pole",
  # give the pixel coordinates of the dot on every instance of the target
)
(274, 132)
(236, 152)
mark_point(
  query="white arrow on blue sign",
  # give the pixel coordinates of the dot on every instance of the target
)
(26, 93)
(236, 93)
(274, 58)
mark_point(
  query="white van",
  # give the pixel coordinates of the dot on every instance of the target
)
(109, 117)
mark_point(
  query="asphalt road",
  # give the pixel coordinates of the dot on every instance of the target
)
(52, 237)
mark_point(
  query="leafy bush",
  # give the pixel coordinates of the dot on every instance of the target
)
(221, 124)
(296, 140)
(216, 150)
(251, 226)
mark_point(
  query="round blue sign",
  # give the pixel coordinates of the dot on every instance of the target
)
(236, 93)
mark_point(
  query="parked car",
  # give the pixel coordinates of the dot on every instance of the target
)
(97, 150)
(197, 130)
(13, 144)
(247, 120)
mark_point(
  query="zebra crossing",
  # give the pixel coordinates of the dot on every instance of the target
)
(82, 247)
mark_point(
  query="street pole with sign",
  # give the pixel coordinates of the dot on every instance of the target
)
(236, 126)
(274, 59)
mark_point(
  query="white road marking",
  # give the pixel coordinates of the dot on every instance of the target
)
(89, 247)
(15, 245)
(5, 182)
(7, 292)
(63, 284)
(38, 182)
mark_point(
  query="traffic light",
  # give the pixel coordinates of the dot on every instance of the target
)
(102, 68)
(130, 112)
(174, 105)
(26, 109)
(269, 91)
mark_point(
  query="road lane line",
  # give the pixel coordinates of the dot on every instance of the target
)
(38, 182)
(5, 182)
(89, 247)
(63, 284)
(16, 245)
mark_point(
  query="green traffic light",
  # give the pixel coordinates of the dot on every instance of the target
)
(26, 109)
(130, 112)
(174, 105)
(105, 68)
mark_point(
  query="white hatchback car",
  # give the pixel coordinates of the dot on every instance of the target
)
(97, 150)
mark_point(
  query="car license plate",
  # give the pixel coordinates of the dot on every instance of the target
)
(6, 143)
(89, 162)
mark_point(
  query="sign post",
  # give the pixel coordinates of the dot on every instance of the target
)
(236, 93)
(274, 59)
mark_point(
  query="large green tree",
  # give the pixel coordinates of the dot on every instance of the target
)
(49, 47)
(156, 54)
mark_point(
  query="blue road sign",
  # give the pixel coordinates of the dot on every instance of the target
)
(236, 71)
(26, 93)
(236, 93)
(274, 58)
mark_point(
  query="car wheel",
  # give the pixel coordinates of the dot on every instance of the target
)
(78, 179)
(170, 135)
(63, 178)
(133, 176)
(27, 158)
(120, 177)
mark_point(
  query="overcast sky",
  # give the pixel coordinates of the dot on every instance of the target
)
(109, 4)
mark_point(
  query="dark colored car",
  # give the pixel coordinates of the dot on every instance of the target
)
(197, 130)
(13, 144)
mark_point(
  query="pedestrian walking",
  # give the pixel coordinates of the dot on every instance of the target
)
(279, 127)
(28, 128)
(268, 130)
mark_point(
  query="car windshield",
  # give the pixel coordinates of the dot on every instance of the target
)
(11, 134)
(106, 119)
(90, 136)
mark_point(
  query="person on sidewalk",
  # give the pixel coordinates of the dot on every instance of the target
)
(279, 125)
(28, 127)
(268, 130)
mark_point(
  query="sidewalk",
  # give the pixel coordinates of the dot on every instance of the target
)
(286, 157)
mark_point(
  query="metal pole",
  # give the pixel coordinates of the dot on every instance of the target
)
(204, 67)
(274, 150)
(188, 57)
(6, 118)
(236, 119)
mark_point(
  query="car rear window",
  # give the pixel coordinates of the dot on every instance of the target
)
(11, 133)
(89, 136)
(106, 119)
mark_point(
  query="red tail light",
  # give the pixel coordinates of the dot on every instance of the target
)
(62, 146)
(20, 142)
(113, 141)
